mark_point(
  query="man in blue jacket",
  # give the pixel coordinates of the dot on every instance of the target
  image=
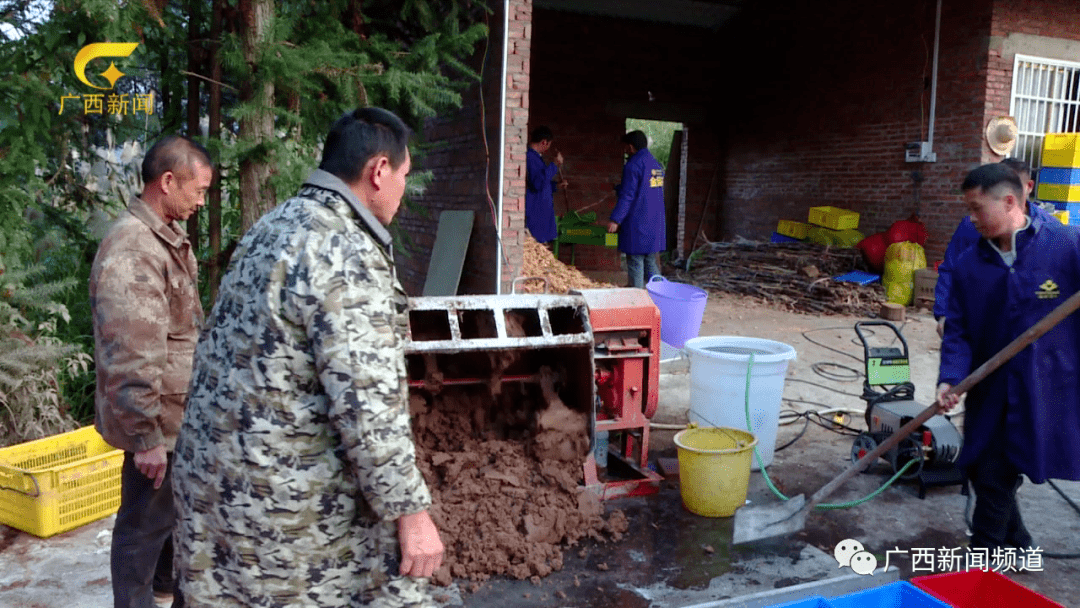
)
(540, 186)
(966, 236)
(638, 216)
(1025, 417)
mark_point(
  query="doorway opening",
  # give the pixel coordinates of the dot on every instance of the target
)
(661, 134)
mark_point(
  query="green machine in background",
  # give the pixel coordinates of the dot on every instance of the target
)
(577, 228)
(929, 453)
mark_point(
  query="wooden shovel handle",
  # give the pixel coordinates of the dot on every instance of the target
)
(1020, 343)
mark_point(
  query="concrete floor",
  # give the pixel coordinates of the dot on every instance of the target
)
(671, 558)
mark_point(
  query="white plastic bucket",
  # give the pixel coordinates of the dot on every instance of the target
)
(718, 366)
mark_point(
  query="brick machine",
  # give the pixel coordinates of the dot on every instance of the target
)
(601, 345)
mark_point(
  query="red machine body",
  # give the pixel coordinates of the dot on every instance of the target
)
(626, 356)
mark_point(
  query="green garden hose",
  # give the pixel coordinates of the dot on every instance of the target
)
(765, 474)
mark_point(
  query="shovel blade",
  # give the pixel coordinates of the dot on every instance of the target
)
(768, 521)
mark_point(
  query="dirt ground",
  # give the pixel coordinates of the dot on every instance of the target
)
(669, 557)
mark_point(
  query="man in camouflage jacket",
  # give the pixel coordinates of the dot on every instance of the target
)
(146, 313)
(296, 478)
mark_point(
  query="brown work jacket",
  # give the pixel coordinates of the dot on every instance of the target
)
(147, 316)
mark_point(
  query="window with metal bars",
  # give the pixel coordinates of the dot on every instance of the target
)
(1045, 99)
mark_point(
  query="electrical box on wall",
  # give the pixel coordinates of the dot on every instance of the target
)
(919, 152)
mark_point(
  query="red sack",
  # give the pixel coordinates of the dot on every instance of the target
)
(873, 249)
(910, 230)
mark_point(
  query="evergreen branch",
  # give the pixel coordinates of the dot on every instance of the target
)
(17, 357)
(39, 296)
(374, 68)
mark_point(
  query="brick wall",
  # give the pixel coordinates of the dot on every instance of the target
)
(831, 98)
(1038, 24)
(589, 74)
(788, 106)
(828, 127)
(462, 150)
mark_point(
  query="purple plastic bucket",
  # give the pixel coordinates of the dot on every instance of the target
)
(681, 308)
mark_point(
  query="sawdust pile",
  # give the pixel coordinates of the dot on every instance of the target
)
(505, 477)
(539, 262)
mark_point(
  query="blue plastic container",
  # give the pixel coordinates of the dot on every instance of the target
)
(858, 276)
(810, 602)
(894, 595)
(783, 238)
(681, 309)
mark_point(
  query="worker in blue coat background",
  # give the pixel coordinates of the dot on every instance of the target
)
(639, 214)
(540, 178)
(966, 235)
(1025, 417)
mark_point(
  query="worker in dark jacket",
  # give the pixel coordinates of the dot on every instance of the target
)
(638, 216)
(540, 186)
(966, 235)
(1024, 417)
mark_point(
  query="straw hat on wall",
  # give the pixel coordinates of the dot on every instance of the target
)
(1001, 134)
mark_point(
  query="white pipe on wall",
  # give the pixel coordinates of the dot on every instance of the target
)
(502, 147)
(933, 77)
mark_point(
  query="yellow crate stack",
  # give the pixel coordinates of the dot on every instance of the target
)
(1059, 176)
(1061, 150)
(796, 230)
(59, 483)
(834, 218)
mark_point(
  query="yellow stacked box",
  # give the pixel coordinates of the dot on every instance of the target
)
(1061, 150)
(796, 230)
(834, 218)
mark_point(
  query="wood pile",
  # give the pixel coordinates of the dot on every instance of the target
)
(540, 262)
(796, 277)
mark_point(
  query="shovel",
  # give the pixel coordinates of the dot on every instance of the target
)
(757, 523)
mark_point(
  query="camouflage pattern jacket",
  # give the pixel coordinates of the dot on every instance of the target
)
(296, 456)
(146, 312)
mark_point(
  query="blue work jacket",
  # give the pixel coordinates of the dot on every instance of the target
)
(640, 210)
(965, 236)
(540, 197)
(1030, 407)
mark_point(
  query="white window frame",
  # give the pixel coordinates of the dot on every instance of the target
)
(1045, 98)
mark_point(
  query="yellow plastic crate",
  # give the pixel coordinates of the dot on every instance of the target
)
(834, 217)
(796, 230)
(1059, 192)
(844, 239)
(1061, 150)
(59, 483)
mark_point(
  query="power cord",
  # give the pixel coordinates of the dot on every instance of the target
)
(1075, 508)
(968, 507)
(826, 346)
(821, 368)
(828, 388)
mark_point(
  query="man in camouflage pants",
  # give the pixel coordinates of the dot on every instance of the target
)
(145, 302)
(296, 479)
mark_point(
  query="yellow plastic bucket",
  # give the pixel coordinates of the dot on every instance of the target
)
(714, 469)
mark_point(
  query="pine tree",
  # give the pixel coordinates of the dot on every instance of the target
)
(305, 64)
(271, 93)
(31, 405)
